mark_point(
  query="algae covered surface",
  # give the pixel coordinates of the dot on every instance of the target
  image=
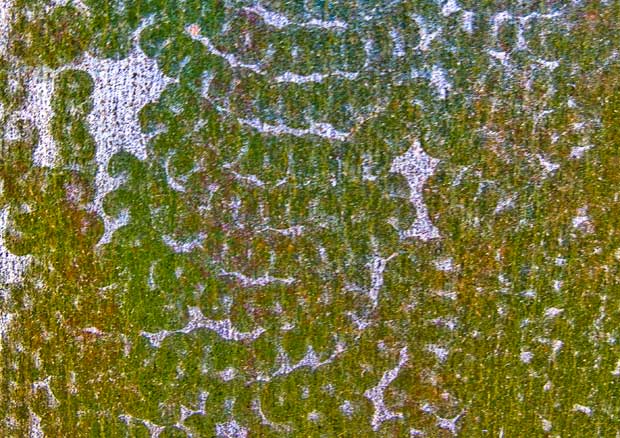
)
(229, 218)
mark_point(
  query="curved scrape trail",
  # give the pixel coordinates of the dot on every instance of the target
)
(309, 219)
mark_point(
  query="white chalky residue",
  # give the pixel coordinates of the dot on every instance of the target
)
(186, 412)
(278, 427)
(293, 231)
(426, 36)
(228, 57)
(111, 224)
(223, 328)
(231, 429)
(552, 312)
(377, 267)
(450, 7)
(417, 167)
(445, 264)
(347, 408)
(38, 110)
(467, 23)
(290, 77)
(280, 21)
(440, 352)
(323, 130)
(376, 394)
(546, 425)
(449, 424)
(526, 357)
(310, 360)
(501, 56)
(398, 44)
(582, 220)
(257, 281)
(44, 385)
(12, 267)
(121, 89)
(505, 204)
(176, 182)
(583, 409)
(439, 81)
(181, 247)
(5, 25)
(35, 426)
(5, 322)
(228, 374)
(155, 430)
(577, 152)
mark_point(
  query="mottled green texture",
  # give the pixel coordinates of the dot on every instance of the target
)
(490, 133)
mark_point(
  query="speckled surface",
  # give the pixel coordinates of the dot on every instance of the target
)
(224, 218)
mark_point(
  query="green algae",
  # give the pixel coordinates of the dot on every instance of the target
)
(137, 283)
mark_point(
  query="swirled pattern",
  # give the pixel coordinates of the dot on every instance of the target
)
(228, 218)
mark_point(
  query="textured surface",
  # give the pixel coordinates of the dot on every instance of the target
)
(223, 218)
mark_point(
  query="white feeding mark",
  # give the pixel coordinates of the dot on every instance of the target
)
(280, 21)
(278, 427)
(449, 423)
(176, 183)
(582, 221)
(450, 7)
(38, 110)
(185, 412)
(526, 357)
(377, 268)
(231, 59)
(12, 266)
(5, 25)
(287, 77)
(376, 394)
(467, 21)
(293, 231)
(577, 152)
(223, 328)
(155, 430)
(228, 374)
(258, 281)
(505, 204)
(121, 89)
(445, 264)
(440, 352)
(439, 81)
(5, 322)
(44, 385)
(35, 426)
(231, 429)
(323, 130)
(548, 166)
(583, 409)
(310, 360)
(417, 167)
(181, 247)
(426, 36)
(111, 224)
(314, 77)
(552, 312)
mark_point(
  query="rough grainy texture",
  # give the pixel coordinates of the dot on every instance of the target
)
(229, 218)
